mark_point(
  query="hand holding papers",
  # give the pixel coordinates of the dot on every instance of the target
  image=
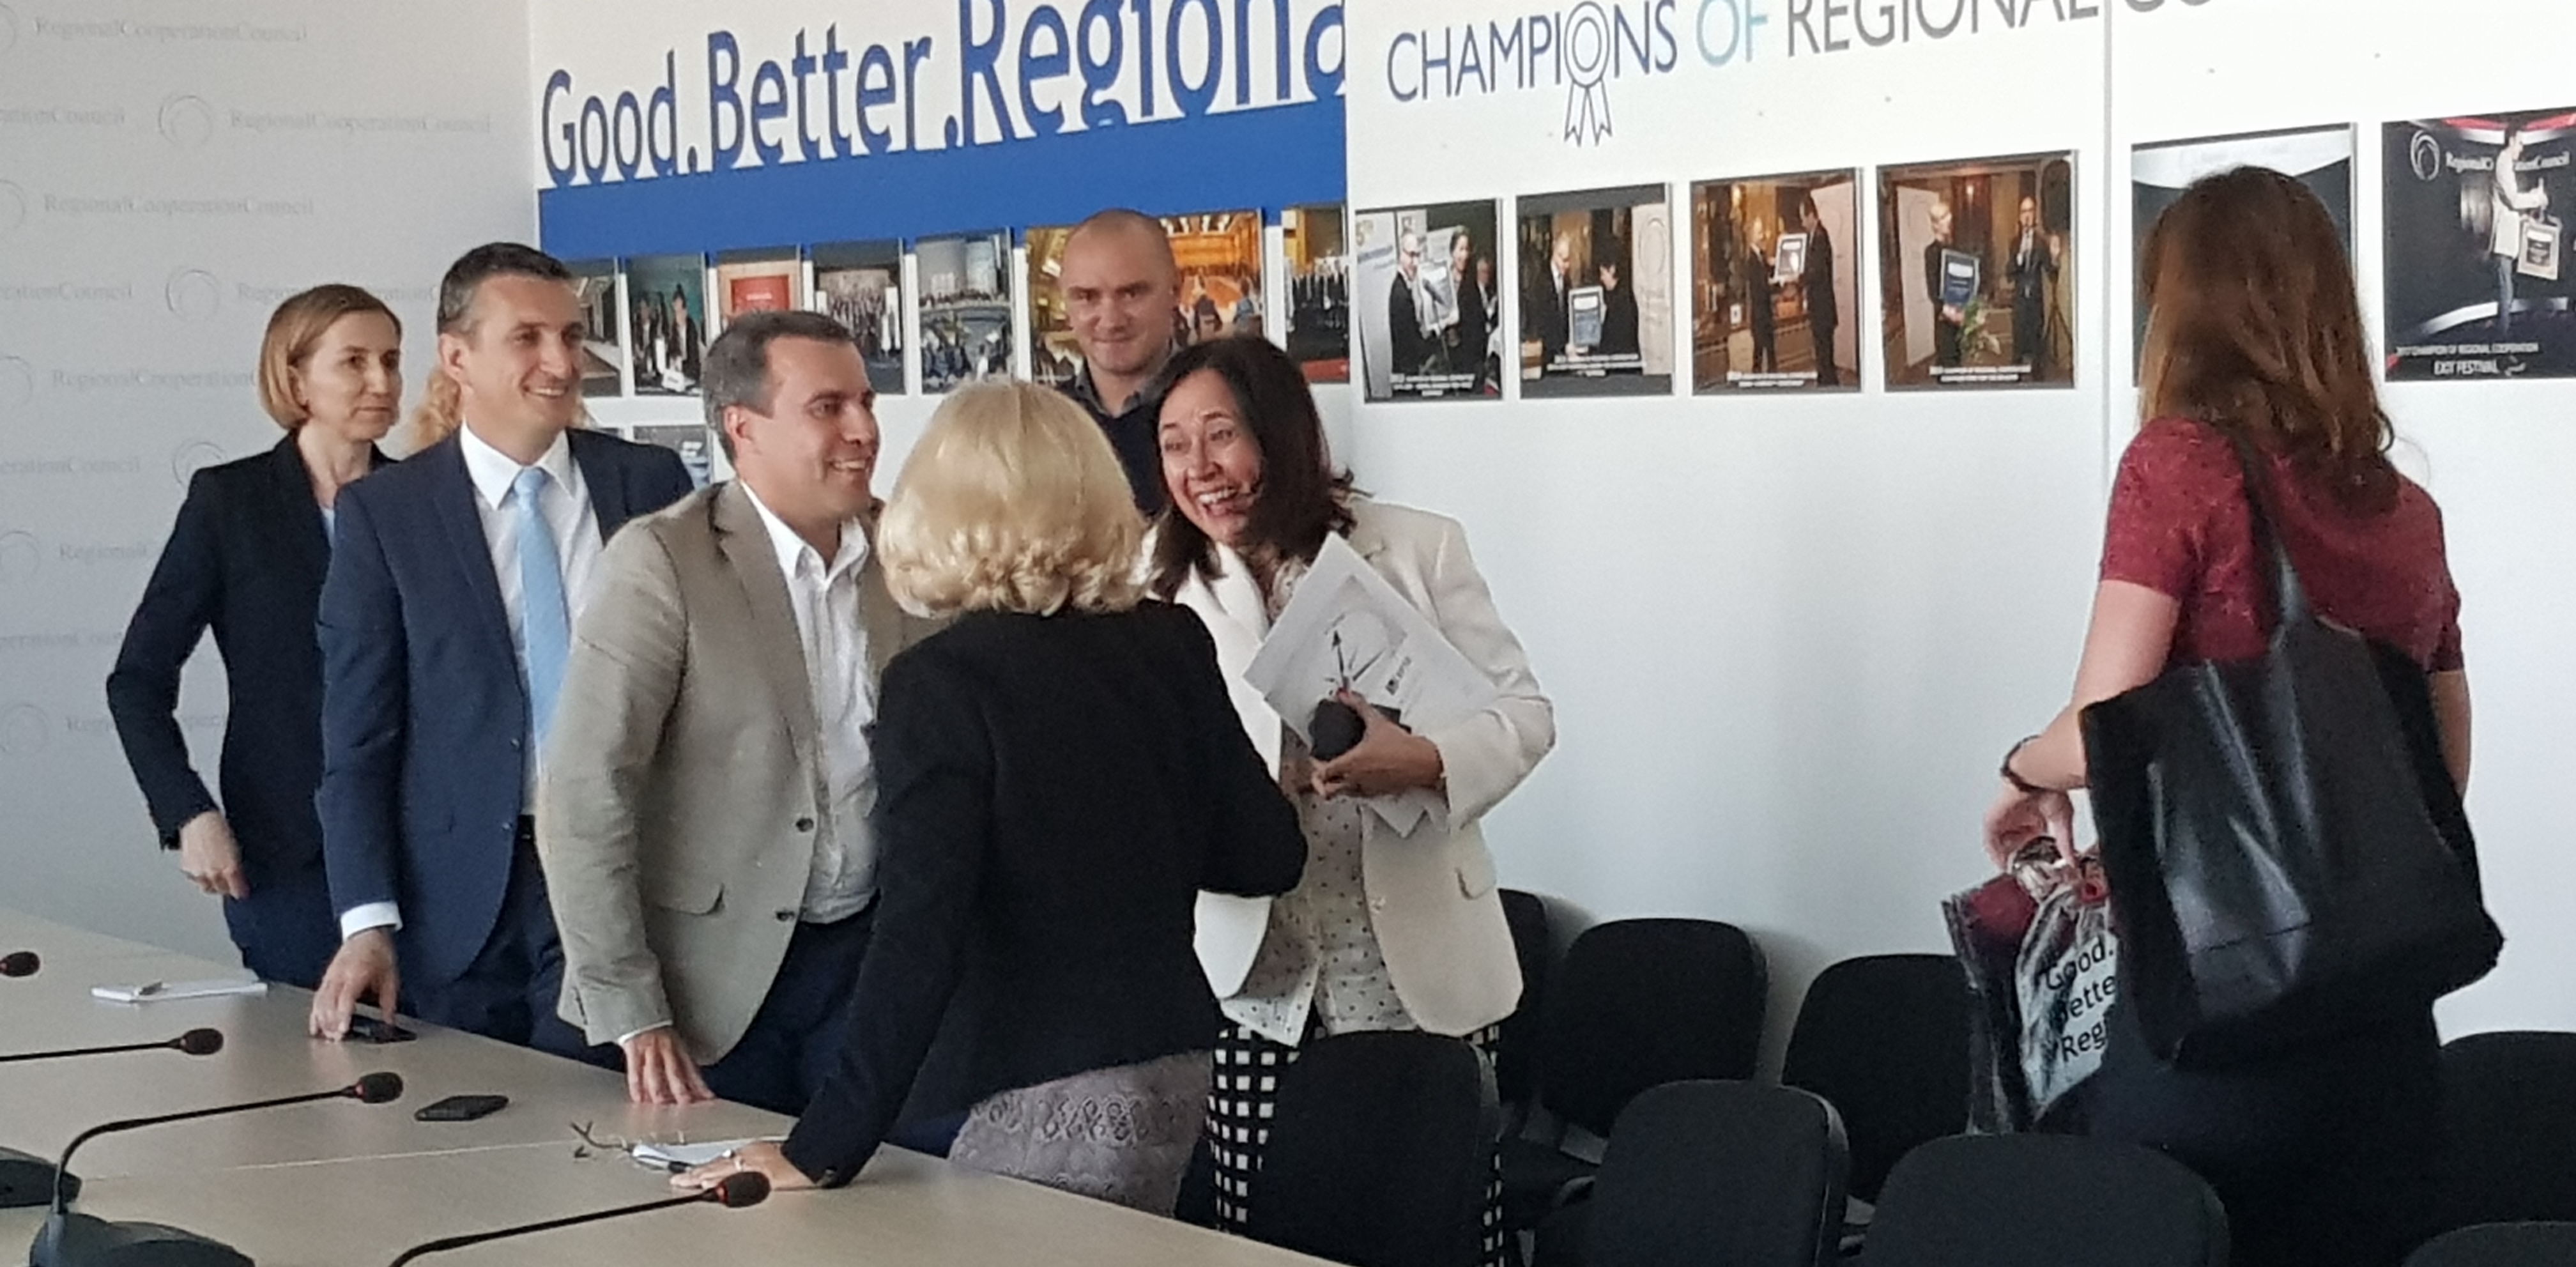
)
(1348, 629)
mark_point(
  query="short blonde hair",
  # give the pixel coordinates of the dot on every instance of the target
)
(294, 329)
(1013, 501)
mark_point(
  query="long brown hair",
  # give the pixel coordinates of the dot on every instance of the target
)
(2253, 325)
(1302, 497)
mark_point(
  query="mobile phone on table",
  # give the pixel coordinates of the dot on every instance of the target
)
(368, 1029)
(462, 1108)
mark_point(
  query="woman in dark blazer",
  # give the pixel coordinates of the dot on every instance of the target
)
(1059, 773)
(246, 559)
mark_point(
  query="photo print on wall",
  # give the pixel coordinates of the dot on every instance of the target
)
(757, 281)
(1428, 327)
(1977, 272)
(965, 286)
(1596, 293)
(1220, 288)
(666, 296)
(860, 285)
(603, 327)
(691, 440)
(2477, 208)
(1319, 291)
(1773, 281)
(2319, 158)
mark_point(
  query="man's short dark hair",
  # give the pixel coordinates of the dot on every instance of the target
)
(735, 370)
(492, 259)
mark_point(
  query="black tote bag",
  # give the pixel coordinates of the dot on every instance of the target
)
(2287, 853)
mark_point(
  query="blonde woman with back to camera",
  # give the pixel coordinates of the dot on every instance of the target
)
(246, 560)
(1058, 777)
(1389, 930)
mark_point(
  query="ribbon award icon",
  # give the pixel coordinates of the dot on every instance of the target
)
(1587, 65)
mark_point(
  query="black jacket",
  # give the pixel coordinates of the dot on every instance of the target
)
(1053, 793)
(245, 559)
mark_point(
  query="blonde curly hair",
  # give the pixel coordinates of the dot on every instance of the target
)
(1011, 501)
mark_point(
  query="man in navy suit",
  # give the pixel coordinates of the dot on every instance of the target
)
(444, 627)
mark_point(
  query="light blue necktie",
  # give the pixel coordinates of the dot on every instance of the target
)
(545, 622)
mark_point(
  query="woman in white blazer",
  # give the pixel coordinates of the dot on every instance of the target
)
(1388, 930)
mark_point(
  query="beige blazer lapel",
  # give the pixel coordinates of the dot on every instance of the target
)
(746, 545)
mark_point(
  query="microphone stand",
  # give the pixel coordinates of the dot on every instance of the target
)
(73, 1239)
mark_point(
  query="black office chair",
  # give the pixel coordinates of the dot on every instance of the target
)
(2509, 1107)
(2044, 1201)
(2500, 1245)
(1704, 1174)
(1637, 1003)
(1379, 1152)
(1516, 1050)
(1884, 1039)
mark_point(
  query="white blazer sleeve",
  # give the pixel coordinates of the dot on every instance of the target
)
(1487, 755)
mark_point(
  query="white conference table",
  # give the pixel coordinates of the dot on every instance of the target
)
(267, 1054)
(905, 1210)
(61, 943)
(339, 1182)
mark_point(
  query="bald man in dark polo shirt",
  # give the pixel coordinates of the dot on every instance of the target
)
(1121, 291)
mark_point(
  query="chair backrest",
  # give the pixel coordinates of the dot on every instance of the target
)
(1642, 1002)
(2500, 1245)
(1379, 1152)
(1884, 1039)
(2509, 1107)
(2044, 1201)
(1719, 1174)
(1516, 1050)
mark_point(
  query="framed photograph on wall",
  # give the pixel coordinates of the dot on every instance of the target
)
(757, 281)
(2319, 158)
(965, 301)
(1429, 328)
(2473, 208)
(666, 298)
(1596, 297)
(1773, 274)
(1317, 242)
(860, 285)
(1977, 272)
(603, 327)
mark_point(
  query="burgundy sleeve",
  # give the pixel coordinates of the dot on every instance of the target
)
(2159, 503)
(2446, 647)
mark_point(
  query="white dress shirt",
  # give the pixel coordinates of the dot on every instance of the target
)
(566, 507)
(825, 598)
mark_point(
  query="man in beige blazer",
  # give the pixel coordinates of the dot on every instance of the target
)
(707, 781)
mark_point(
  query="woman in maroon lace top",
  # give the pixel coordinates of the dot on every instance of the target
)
(2326, 1155)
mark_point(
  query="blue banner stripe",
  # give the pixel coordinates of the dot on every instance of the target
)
(1283, 156)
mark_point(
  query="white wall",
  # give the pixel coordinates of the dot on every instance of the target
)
(169, 170)
(1789, 637)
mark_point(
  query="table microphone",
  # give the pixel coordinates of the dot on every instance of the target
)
(20, 963)
(71, 1239)
(734, 1191)
(28, 1180)
(196, 1042)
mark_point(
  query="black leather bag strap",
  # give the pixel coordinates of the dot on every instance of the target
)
(2285, 599)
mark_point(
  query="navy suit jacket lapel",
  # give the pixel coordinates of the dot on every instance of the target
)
(600, 472)
(298, 520)
(453, 496)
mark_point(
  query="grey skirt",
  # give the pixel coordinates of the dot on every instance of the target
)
(1122, 1135)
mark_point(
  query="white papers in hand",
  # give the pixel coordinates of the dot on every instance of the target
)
(1348, 628)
